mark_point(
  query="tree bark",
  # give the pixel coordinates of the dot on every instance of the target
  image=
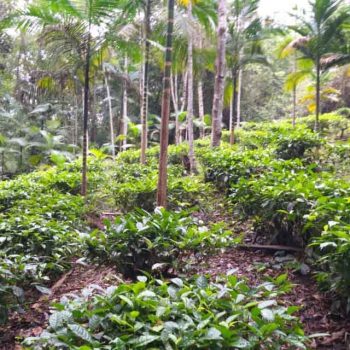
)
(124, 128)
(239, 97)
(164, 132)
(111, 126)
(233, 107)
(144, 109)
(190, 93)
(220, 76)
(318, 94)
(174, 95)
(201, 107)
(86, 115)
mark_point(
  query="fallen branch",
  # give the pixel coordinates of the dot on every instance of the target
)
(269, 247)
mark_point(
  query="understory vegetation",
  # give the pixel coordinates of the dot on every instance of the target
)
(301, 200)
(174, 174)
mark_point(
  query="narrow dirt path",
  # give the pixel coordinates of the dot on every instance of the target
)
(257, 265)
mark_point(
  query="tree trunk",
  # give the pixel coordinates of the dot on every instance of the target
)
(164, 132)
(124, 128)
(174, 95)
(239, 97)
(86, 116)
(144, 109)
(318, 94)
(201, 107)
(220, 75)
(93, 110)
(294, 106)
(200, 98)
(111, 126)
(190, 93)
(233, 107)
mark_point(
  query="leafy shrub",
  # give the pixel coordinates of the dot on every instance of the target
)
(329, 123)
(334, 247)
(139, 240)
(175, 315)
(295, 143)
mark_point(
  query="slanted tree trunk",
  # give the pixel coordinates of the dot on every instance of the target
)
(164, 131)
(111, 124)
(220, 75)
(144, 109)
(86, 115)
(318, 94)
(190, 93)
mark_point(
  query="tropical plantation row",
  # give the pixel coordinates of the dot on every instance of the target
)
(174, 175)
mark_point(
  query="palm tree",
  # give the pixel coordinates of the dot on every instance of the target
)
(244, 46)
(220, 75)
(144, 101)
(76, 18)
(323, 40)
(163, 157)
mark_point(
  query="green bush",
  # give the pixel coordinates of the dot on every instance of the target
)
(295, 143)
(175, 315)
(140, 240)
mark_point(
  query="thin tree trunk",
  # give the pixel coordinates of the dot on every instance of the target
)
(200, 98)
(125, 105)
(144, 109)
(239, 97)
(173, 81)
(190, 93)
(294, 116)
(93, 108)
(86, 116)
(318, 94)
(164, 132)
(220, 76)
(231, 126)
(111, 126)
(233, 106)
(294, 106)
(201, 107)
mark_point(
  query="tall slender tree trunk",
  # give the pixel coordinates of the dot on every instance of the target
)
(144, 109)
(220, 75)
(93, 112)
(294, 113)
(233, 107)
(86, 115)
(111, 124)
(294, 106)
(125, 105)
(174, 95)
(239, 97)
(164, 131)
(201, 107)
(190, 93)
(200, 98)
(318, 94)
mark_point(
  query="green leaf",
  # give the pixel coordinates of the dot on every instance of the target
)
(202, 282)
(80, 332)
(144, 340)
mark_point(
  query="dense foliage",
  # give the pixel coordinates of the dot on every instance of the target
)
(175, 315)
